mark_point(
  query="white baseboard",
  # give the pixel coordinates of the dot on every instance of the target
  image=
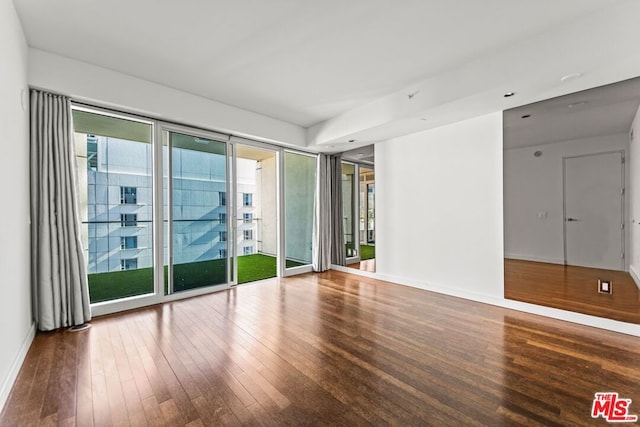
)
(16, 365)
(535, 258)
(354, 271)
(567, 316)
(634, 274)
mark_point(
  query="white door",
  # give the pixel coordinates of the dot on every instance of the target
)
(593, 215)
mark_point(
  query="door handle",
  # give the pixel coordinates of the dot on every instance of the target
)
(572, 219)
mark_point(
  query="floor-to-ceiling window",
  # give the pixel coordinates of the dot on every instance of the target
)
(169, 209)
(114, 155)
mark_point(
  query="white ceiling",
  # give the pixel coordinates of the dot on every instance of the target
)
(329, 63)
(604, 110)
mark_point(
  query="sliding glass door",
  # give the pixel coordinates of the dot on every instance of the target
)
(196, 222)
(114, 156)
(299, 202)
(161, 215)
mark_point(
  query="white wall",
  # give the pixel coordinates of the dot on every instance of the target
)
(16, 329)
(267, 181)
(79, 80)
(439, 217)
(439, 208)
(633, 165)
(533, 199)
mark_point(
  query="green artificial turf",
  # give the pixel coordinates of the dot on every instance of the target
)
(256, 267)
(121, 284)
(198, 274)
(291, 263)
(367, 252)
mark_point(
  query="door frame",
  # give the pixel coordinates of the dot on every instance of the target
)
(198, 133)
(355, 212)
(282, 264)
(278, 151)
(365, 201)
(622, 201)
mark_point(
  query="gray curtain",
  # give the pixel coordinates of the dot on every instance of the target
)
(321, 248)
(60, 291)
(337, 215)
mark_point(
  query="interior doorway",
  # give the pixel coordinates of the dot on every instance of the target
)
(594, 210)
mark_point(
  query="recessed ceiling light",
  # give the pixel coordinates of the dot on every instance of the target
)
(509, 94)
(352, 140)
(570, 77)
(526, 116)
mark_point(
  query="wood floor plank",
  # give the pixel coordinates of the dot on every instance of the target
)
(152, 412)
(113, 382)
(171, 414)
(148, 357)
(35, 401)
(84, 392)
(179, 401)
(322, 349)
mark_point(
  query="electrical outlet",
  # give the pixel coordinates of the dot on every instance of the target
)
(605, 286)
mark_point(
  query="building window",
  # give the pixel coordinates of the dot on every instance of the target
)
(247, 199)
(128, 220)
(128, 242)
(222, 198)
(222, 218)
(128, 264)
(128, 195)
(248, 234)
(92, 152)
(223, 236)
(222, 253)
(247, 250)
(247, 217)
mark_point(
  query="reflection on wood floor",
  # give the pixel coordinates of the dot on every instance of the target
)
(367, 265)
(322, 349)
(572, 288)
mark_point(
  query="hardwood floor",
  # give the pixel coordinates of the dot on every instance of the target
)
(327, 349)
(572, 288)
